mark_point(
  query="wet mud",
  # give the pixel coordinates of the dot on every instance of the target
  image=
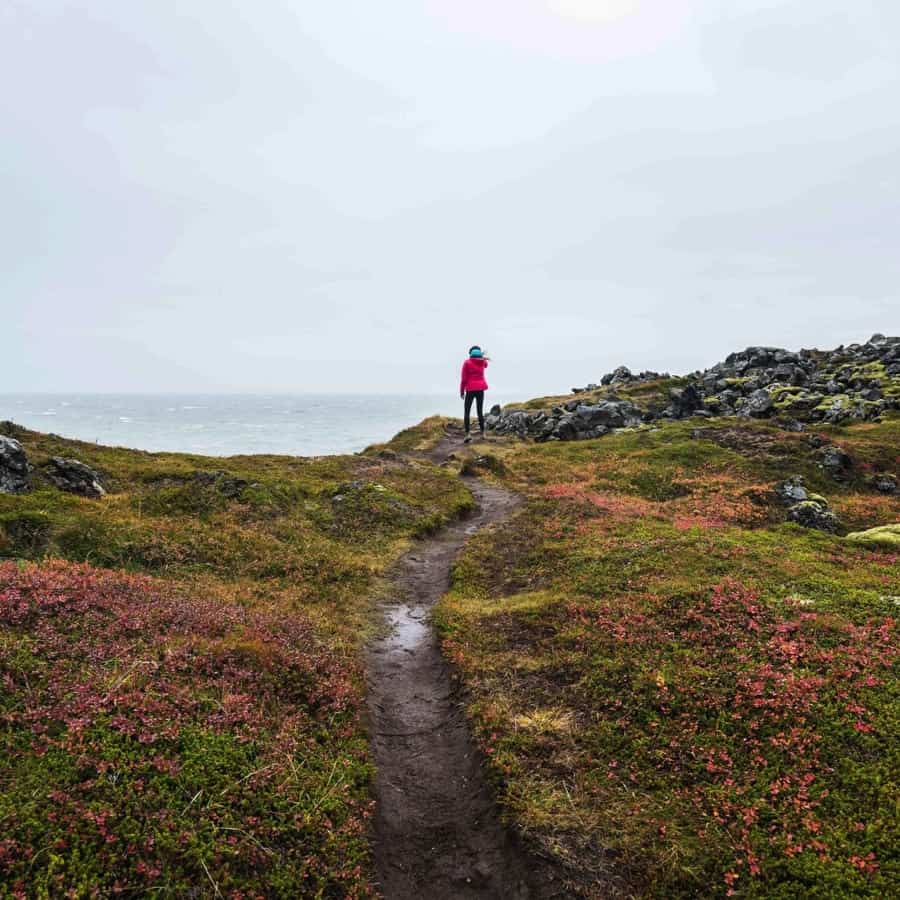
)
(437, 829)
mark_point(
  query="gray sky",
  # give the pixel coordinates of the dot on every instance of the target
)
(304, 195)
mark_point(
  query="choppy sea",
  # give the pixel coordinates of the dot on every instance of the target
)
(224, 425)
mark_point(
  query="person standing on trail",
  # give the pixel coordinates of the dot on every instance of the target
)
(472, 387)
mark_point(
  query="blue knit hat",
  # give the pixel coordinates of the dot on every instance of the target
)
(475, 352)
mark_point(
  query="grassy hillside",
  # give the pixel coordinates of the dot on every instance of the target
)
(180, 690)
(680, 693)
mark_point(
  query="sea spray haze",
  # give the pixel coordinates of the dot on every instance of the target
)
(226, 424)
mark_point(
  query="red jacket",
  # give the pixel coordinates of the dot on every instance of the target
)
(473, 375)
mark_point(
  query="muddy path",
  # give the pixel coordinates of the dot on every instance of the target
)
(437, 830)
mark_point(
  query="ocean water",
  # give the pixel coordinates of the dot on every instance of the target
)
(229, 424)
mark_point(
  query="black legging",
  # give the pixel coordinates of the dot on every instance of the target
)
(478, 397)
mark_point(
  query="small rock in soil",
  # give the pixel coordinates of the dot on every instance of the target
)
(74, 477)
(15, 475)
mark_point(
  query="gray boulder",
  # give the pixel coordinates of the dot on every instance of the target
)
(15, 473)
(685, 402)
(74, 477)
(758, 405)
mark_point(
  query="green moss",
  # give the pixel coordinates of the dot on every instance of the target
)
(870, 371)
(835, 401)
(880, 536)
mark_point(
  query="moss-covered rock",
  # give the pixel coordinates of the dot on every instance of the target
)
(813, 514)
(882, 536)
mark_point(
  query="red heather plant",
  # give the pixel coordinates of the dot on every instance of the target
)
(767, 730)
(155, 742)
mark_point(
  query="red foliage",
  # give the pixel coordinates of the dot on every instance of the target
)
(122, 673)
(742, 693)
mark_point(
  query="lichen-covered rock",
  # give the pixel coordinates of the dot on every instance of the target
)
(15, 477)
(857, 382)
(813, 514)
(886, 484)
(880, 536)
(74, 476)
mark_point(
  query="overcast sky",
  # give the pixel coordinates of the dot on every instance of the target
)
(203, 195)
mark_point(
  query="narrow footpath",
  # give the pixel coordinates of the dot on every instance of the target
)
(437, 831)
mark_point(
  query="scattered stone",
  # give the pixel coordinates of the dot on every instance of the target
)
(227, 485)
(792, 491)
(74, 477)
(15, 473)
(621, 375)
(835, 461)
(887, 484)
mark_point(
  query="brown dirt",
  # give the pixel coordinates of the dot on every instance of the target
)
(438, 833)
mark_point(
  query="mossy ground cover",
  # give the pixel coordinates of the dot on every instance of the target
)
(180, 688)
(680, 694)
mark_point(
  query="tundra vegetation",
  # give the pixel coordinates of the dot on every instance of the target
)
(680, 656)
(680, 691)
(180, 685)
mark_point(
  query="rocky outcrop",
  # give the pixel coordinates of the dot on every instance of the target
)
(836, 462)
(74, 477)
(859, 381)
(15, 473)
(856, 382)
(573, 421)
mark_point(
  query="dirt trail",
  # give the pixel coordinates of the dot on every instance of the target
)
(437, 831)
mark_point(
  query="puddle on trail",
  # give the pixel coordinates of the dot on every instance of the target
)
(409, 627)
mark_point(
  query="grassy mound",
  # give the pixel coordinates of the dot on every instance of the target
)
(680, 693)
